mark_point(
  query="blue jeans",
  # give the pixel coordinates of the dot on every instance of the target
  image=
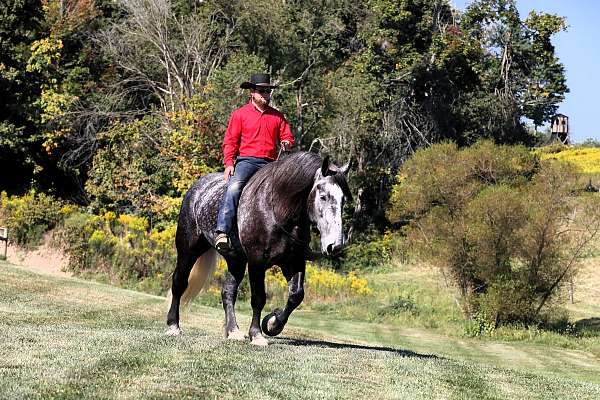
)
(245, 167)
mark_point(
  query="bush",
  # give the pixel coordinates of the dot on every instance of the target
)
(507, 227)
(120, 248)
(368, 252)
(28, 217)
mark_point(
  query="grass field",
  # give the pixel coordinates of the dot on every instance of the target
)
(66, 338)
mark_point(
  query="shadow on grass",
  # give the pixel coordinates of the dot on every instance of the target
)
(334, 345)
(591, 325)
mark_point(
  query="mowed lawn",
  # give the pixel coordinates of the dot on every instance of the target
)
(66, 338)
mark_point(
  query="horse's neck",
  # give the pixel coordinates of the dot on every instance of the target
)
(288, 206)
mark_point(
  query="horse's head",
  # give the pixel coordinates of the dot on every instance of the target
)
(325, 204)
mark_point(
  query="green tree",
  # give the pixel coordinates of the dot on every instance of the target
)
(508, 229)
(520, 73)
(19, 26)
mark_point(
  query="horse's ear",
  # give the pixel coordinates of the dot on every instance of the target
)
(325, 166)
(345, 168)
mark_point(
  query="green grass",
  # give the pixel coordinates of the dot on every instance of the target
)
(67, 338)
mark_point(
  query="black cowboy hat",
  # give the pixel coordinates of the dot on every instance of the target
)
(259, 80)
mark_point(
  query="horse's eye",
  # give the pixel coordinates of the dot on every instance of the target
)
(323, 197)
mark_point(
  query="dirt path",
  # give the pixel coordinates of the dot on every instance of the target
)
(44, 259)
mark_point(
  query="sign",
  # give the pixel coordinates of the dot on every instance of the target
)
(4, 238)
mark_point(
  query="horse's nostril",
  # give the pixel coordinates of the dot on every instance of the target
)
(329, 248)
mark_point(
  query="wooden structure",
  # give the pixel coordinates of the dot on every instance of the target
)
(4, 238)
(560, 129)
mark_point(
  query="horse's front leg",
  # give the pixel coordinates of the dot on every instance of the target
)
(258, 298)
(274, 322)
(229, 293)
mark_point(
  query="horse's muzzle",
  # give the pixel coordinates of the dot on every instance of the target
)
(334, 249)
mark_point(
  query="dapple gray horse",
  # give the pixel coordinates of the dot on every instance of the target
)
(275, 212)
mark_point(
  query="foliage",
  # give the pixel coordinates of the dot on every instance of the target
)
(590, 142)
(18, 25)
(328, 284)
(322, 285)
(519, 66)
(368, 252)
(586, 158)
(144, 166)
(223, 89)
(128, 172)
(28, 217)
(373, 79)
(504, 226)
(191, 138)
(48, 72)
(121, 248)
(170, 53)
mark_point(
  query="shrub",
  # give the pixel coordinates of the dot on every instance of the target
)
(121, 248)
(506, 227)
(325, 284)
(28, 217)
(368, 252)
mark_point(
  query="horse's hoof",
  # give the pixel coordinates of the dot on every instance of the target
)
(236, 334)
(173, 330)
(270, 325)
(259, 340)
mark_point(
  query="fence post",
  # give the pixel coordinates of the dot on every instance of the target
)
(4, 238)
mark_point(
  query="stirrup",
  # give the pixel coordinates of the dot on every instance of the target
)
(222, 242)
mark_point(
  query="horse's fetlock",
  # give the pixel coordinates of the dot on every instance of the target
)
(296, 297)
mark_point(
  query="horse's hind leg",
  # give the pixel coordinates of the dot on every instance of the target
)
(186, 257)
(185, 262)
(233, 278)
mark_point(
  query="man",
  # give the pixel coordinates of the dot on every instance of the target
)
(251, 141)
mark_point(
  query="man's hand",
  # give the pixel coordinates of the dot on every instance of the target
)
(228, 172)
(285, 145)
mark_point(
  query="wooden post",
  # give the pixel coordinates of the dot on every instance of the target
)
(4, 238)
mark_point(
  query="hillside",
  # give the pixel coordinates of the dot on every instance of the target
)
(69, 338)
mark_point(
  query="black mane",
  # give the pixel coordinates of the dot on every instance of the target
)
(286, 182)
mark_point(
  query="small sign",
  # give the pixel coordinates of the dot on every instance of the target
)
(4, 238)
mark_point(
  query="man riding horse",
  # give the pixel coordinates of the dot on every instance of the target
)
(279, 203)
(251, 142)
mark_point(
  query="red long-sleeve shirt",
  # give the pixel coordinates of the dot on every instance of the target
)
(252, 133)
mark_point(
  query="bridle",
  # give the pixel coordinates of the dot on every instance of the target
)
(310, 254)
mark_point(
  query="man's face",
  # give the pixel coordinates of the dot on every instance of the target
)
(261, 95)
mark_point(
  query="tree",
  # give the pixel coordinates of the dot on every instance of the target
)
(508, 229)
(19, 26)
(166, 54)
(520, 72)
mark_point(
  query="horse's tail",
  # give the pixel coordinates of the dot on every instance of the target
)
(200, 275)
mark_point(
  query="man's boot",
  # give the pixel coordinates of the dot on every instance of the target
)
(222, 242)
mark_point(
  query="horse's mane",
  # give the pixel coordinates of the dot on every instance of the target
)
(286, 182)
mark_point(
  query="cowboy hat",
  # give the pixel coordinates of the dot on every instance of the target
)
(258, 80)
